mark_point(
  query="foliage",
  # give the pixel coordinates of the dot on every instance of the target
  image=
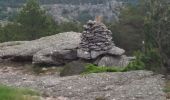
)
(69, 26)
(31, 23)
(157, 32)
(84, 16)
(136, 64)
(145, 27)
(14, 32)
(11, 93)
(98, 69)
(10, 32)
(128, 30)
(152, 60)
(8, 8)
(34, 21)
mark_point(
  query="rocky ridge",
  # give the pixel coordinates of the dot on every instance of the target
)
(43, 50)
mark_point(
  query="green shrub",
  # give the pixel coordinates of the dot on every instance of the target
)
(90, 68)
(137, 64)
(152, 60)
(98, 69)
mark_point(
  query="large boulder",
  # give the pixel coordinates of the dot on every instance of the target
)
(45, 50)
(1, 60)
(73, 68)
(115, 51)
(12, 49)
(54, 56)
(113, 61)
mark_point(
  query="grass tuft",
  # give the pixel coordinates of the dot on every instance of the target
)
(11, 93)
(90, 68)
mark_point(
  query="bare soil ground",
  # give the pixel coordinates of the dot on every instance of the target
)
(134, 85)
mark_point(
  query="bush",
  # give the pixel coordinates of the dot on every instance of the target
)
(152, 60)
(129, 27)
(137, 64)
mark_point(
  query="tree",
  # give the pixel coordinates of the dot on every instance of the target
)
(70, 26)
(34, 21)
(128, 30)
(149, 22)
(157, 28)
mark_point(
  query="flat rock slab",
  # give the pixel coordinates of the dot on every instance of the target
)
(41, 51)
(134, 85)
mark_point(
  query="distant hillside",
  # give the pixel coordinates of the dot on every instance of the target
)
(19, 2)
(66, 10)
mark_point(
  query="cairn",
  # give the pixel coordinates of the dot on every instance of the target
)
(95, 40)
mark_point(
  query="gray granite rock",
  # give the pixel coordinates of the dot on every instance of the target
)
(73, 68)
(113, 61)
(54, 56)
(83, 54)
(45, 50)
(116, 51)
(1, 60)
(134, 85)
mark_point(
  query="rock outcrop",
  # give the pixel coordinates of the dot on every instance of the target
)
(56, 49)
(95, 43)
(73, 68)
(134, 85)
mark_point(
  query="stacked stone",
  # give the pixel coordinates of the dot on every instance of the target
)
(96, 37)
